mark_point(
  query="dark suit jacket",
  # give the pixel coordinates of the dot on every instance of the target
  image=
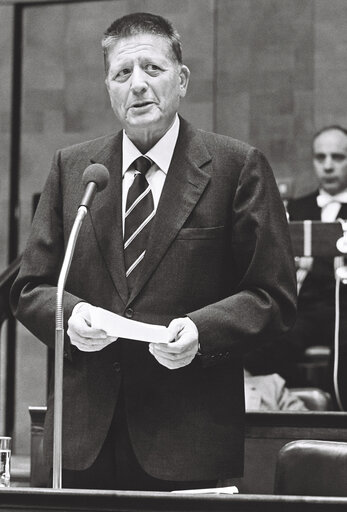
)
(306, 207)
(219, 251)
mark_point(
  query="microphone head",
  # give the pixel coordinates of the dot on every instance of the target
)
(96, 173)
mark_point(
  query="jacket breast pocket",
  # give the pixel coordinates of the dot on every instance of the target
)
(209, 233)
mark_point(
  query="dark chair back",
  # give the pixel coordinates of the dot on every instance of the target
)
(313, 468)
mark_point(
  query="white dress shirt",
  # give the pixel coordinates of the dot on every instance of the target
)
(330, 205)
(161, 156)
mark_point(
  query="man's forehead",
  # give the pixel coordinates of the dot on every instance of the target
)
(140, 44)
(331, 141)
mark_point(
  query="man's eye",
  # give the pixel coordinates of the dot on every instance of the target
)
(153, 69)
(338, 157)
(319, 158)
(122, 75)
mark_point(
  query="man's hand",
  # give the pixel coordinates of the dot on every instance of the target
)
(183, 348)
(82, 335)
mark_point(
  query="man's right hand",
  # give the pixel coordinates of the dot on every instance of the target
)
(82, 334)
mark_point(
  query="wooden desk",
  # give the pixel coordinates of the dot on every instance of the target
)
(266, 433)
(315, 238)
(71, 500)
(20, 470)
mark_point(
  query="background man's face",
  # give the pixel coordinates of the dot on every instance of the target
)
(330, 160)
(145, 84)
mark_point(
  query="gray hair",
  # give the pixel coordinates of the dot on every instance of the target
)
(142, 23)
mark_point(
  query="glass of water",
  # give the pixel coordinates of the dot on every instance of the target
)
(5, 461)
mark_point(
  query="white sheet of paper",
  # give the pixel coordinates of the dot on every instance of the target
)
(120, 327)
(232, 489)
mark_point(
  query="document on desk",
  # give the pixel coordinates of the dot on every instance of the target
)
(232, 489)
(120, 327)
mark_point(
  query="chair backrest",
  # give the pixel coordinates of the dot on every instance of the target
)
(312, 468)
(315, 399)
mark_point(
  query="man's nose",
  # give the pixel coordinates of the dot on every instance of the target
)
(138, 81)
(328, 164)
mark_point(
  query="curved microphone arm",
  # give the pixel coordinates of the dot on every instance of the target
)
(95, 178)
(59, 349)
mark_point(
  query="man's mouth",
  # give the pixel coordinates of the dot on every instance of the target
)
(139, 104)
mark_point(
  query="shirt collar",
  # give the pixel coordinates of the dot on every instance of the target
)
(341, 197)
(161, 153)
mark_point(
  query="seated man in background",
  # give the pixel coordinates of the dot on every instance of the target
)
(316, 278)
(269, 393)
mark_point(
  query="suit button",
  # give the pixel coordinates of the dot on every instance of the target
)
(116, 366)
(129, 313)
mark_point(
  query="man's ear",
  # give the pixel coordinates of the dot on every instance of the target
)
(184, 80)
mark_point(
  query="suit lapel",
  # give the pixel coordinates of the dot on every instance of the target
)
(343, 211)
(106, 215)
(313, 211)
(184, 184)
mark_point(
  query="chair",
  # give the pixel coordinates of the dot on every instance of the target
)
(39, 472)
(312, 468)
(314, 368)
(315, 399)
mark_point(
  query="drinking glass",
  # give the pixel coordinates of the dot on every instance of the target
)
(5, 461)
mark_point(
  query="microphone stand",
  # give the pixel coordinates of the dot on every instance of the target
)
(59, 349)
(341, 277)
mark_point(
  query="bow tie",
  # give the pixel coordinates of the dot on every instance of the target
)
(325, 199)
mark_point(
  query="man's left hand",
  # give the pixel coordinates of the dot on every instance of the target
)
(183, 347)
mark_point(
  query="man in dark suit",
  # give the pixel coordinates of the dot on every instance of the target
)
(316, 305)
(315, 322)
(215, 267)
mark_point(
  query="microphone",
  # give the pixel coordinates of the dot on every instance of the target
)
(95, 178)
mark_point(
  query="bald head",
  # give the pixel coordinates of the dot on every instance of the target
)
(330, 159)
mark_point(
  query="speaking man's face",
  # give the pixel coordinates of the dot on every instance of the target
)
(330, 160)
(145, 85)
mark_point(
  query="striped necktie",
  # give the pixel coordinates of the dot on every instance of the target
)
(139, 212)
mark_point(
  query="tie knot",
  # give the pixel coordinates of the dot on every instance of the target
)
(142, 164)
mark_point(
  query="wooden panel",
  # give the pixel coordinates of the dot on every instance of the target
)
(266, 433)
(330, 62)
(233, 51)
(322, 238)
(265, 78)
(45, 500)
(281, 75)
